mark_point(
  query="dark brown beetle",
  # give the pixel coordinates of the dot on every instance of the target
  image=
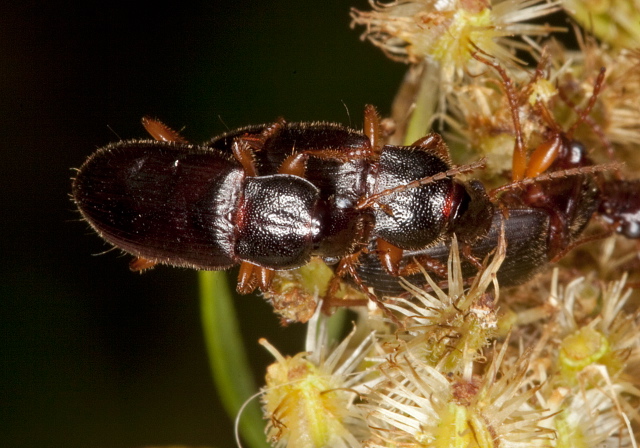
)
(554, 194)
(269, 197)
(315, 189)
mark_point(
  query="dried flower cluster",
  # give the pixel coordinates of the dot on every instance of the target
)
(449, 31)
(554, 363)
(568, 379)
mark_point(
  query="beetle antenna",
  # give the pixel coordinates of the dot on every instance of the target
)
(597, 87)
(519, 152)
(597, 129)
(578, 171)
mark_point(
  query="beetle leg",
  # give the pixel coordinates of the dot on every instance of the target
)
(295, 164)
(372, 127)
(243, 147)
(247, 279)
(257, 142)
(583, 116)
(161, 131)
(422, 263)
(466, 253)
(351, 269)
(251, 277)
(379, 303)
(519, 163)
(347, 266)
(572, 245)
(244, 155)
(331, 300)
(387, 127)
(139, 264)
(266, 277)
(545, 154)
(390, 256)
(435, 144)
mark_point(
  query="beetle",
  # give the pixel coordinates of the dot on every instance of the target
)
(554, 193)
(269, 197)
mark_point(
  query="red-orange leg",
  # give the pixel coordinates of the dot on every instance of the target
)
(139, 264)
(161, 131)
(330, 299)
(244, 155)
(251, 277)
(583, 115)
(435, 143)
(350, 268)
(243, 147)
(519, 163)
(390, 256)
(295, 164)
(257, 142)
(347, 266)
(426, 263)
(372, 130)
(468, 255)
(372, 127)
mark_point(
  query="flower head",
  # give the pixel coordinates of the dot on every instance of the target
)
(591, 418)
(606, 336)
(449, 31)
(309, 398)
(587, 363)
(449, 328)
(615, 121)
(420, 406)
(615, 22)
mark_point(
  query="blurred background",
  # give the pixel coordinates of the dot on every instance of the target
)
(93, 355)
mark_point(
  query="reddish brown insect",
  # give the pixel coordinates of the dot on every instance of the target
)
(270, 197)
(554, 193)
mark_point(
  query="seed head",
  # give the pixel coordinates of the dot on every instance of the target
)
(616, 22)
(419, 405)
(449, 31)
(309, 398)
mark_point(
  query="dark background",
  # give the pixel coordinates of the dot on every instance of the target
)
(93, 355)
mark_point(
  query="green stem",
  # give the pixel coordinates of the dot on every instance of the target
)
(227, 357)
